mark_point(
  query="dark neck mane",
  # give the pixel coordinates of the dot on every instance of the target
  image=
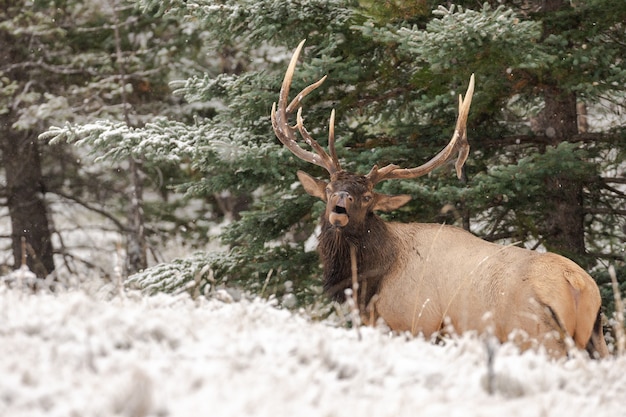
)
(375, 251)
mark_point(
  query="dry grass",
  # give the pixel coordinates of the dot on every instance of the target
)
(620, 337)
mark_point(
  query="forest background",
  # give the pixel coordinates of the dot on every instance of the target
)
(136, 142)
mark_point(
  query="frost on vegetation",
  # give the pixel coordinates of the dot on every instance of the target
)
(458, 32)
(52, 108)
(205, 88)
(70, 354)
(253, 22)
(21, 278)
(193, 274)
(207, 145)
(160, 140)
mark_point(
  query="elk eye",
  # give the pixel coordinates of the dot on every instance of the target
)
(367, 198)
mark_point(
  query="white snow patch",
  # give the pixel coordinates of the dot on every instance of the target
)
(73, 354)
(310, 245)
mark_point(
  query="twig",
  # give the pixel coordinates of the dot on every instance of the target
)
(117, 270)
(354, 312)
(267, 280)
(619, 313)
(355, 276)
(90, 207)
(490, 346)
(197, 284)
(23, 251)
(137, 255)
(38, 267)
(69, 257)
(352, 294)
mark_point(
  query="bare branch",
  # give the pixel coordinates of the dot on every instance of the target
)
(89, 207)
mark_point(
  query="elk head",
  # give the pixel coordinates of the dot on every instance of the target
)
(350, 197)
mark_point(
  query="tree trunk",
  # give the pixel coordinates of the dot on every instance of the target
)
(565, 232)
(565, 223)
(136, 248)
(25, 200)
(136, 243)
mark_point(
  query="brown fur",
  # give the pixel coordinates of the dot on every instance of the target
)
(374, 261)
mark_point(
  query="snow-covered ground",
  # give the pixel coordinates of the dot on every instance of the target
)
(79, 354)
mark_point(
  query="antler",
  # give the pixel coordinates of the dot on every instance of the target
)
(458, 143)
(286, 134)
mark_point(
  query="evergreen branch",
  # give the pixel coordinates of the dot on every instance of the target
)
(613, 189)
(609, 256)
(494, 237)
(586, 137)
(604, 210)
(72, 257)
(366, 100)
(491, 236)
(614, 180)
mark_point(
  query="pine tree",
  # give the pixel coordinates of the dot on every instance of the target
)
(78, 62)
(23, 36)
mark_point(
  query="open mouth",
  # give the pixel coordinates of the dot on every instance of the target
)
(338, 217)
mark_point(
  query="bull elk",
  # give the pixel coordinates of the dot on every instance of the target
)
(423, 278)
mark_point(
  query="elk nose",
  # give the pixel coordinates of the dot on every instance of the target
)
(342, 198)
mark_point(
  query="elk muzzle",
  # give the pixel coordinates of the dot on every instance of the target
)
(338, 206)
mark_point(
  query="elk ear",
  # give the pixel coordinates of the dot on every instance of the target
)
(390, 202)
(313, 186)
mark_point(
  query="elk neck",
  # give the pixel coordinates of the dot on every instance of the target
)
(376, 254)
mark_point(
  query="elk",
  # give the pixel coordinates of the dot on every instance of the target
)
(424, 278)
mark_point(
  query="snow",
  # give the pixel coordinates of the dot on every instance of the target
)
(74, 353)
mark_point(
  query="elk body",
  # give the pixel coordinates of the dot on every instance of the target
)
(424, 278)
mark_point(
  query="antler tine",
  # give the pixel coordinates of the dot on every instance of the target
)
(458, 143)
(331, 163)
(286, 134)
(331, 140)
(328, 161)
(295, 103)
